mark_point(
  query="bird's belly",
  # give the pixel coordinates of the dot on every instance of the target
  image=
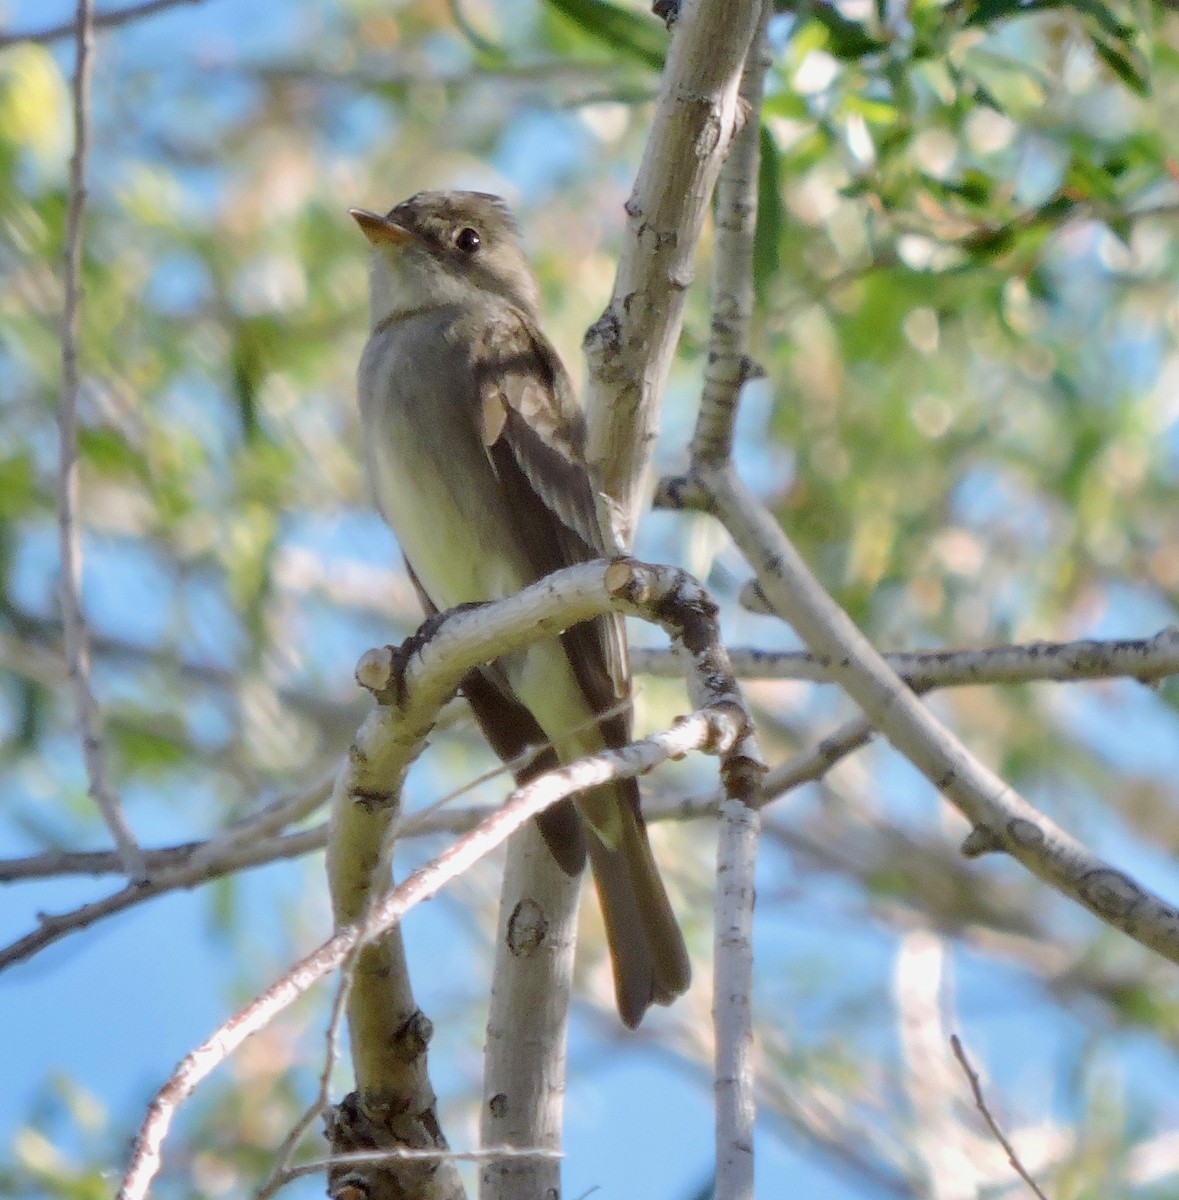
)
(444, 515)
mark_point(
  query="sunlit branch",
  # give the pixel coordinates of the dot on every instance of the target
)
(1001, 818)
(630, 347)
(715, 731)
(732, 308)
(1145, 659)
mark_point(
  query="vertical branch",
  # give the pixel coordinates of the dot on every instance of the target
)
(630, 347)
(732, 311)
(729, 365)
(393, 1106)
(732, 1005)
(524, 1059)
(77, 648)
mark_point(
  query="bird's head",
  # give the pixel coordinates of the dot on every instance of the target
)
(443, 248)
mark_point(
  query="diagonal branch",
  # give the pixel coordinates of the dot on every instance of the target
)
(1002, 819)
(719, 730)
(104, 20)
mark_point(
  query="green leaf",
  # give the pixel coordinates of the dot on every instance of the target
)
(149, 751)
(770, 217)
(846, 40)
(109, 452)
(620, 29)
(18, 489)
(875, 112)
(1122, 64)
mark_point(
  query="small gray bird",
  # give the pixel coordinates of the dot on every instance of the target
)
(474, 444)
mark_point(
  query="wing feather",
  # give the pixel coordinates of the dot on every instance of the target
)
(534, 433)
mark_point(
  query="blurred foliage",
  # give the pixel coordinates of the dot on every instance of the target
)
(965, 269)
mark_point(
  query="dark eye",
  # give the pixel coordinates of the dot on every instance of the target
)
(467, 240)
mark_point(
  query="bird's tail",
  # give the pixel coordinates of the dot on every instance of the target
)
(647, 949)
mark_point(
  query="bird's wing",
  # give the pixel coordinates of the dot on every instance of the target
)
(534, 434)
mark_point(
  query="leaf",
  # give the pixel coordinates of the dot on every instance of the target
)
(1122, 64)
(148, 751)
(18, 487)
(770, 216)
(619, 29)
(846, 39)
(109, 452)
(875, 112)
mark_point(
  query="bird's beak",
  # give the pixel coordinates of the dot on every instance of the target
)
(380, 230)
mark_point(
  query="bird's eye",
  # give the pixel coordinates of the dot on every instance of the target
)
(467, 240)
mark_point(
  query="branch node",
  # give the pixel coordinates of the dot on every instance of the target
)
(981, 840)
(753, 599)
(668, 11)
(623, 580)
(411, 1040)
(527, 928)
(376, 670)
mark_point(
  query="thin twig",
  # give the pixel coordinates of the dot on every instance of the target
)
(981, 1105)
(360, 1158)
(53, 928)
(107, 20)
(1145, 659)
(69, 538)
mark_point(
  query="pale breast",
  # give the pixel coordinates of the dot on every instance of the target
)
(427, 465)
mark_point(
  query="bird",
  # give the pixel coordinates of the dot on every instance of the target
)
(475, 448)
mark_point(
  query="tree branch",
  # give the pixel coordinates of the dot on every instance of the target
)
(69, 541)
(411, 690)
(981, 1104)
(1002, 819)
(740, 826)
(107, 20)
(720, 730)
(1145, 659)
(630, 347)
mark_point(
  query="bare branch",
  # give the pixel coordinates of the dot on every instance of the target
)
(1145, 659)
(290, 1174)
(53, 928)
(69, 541)
(107, 20)
(728, 363)
(981, 1104)
(412, 691)
(630, 347)
(1001, 818)
(719, 731)
(732, 308)
(527, 1021)
(393, 1106)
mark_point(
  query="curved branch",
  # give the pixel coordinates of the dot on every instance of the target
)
(412, 689)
